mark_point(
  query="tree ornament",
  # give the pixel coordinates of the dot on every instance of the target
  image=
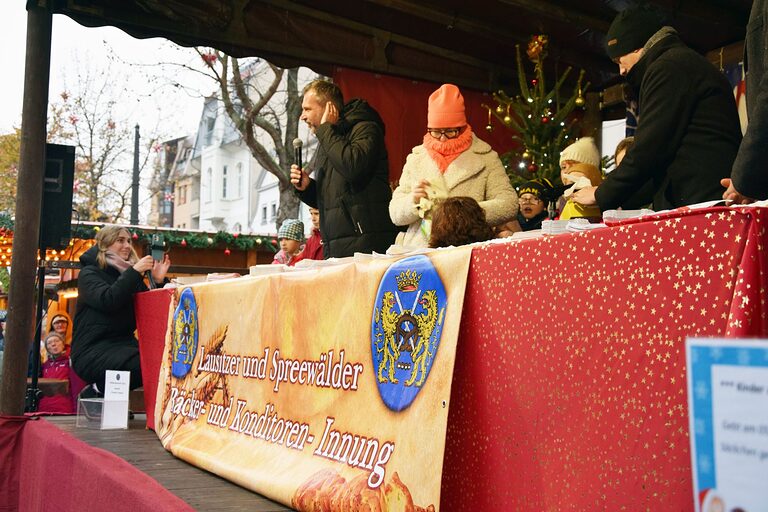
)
(526, 154)
(533, 168)
(209, 240)
(227, 251)
(274, 241)
(135, 236)
(544, 119)
(499, 109)
(236, 235)
(534, 82)
(258, 241)
(489, 128)
(507, 119)
(537, 48)
(183, 242)
(580, 101)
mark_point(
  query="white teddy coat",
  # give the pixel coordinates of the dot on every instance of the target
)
(476, 173)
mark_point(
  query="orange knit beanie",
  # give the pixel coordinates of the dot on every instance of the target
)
(446, 108)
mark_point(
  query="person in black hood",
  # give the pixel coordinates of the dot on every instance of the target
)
(105, 322)
(350, 186)
(688, 131)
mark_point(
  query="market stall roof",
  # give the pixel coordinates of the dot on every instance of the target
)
(468, 43)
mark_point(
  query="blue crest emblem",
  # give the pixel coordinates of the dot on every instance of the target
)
(185, 331)
(406, 327)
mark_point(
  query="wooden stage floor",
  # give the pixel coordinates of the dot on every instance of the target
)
(140, 447)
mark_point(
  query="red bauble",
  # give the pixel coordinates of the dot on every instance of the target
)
(274, 241)
(183, 242)
(135, 236)
(534, 82)
(533, 168)
(227, 251)
(236, 235)
(545, 119)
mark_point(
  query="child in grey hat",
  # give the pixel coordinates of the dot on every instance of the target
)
(290, 235)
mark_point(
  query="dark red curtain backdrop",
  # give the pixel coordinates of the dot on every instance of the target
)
(402, 103)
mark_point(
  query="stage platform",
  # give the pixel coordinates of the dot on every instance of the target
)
(142, 449)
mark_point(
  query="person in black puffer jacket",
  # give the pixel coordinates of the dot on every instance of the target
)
(688, 132)
(350, 186)
(103, 338)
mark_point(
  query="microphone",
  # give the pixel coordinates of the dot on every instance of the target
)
(297, 143)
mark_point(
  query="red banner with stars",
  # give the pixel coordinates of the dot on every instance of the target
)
(569, 389)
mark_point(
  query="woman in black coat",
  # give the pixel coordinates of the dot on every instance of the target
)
(105, 322)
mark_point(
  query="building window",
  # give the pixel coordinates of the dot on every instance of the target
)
(263, 215)
(182, 194)
(209, 184)
(273, 208)
(224, 182)
(209, 125)
(239, 180)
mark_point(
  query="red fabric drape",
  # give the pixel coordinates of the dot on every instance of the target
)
(44, 468)
(152, 319)
(402, 104)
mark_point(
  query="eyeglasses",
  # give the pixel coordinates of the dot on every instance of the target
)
(530, 200)
(450, 133)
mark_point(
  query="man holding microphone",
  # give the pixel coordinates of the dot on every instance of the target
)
(350, 186)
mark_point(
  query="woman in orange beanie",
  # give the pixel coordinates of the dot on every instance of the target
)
(452, 161)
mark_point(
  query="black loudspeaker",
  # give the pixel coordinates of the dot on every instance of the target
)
(56, 217)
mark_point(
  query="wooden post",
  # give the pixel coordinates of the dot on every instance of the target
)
(20, 320)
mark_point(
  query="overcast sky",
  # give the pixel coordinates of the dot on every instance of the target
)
(75, 47)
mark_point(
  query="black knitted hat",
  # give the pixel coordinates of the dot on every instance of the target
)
(630, 30)
(541, 188)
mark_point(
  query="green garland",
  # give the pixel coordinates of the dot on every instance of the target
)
(6, 222)
(172, 238)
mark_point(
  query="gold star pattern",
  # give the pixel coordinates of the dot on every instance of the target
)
(570, 382)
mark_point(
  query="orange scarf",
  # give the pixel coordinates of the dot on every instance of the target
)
(445, 152)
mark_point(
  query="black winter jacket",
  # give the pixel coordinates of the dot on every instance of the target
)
(688, 133)
(105, 320)
(750, 170)
(351, 183)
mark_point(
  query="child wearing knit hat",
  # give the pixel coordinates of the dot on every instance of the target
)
(290, 235)
(583, 151)
(534, 200)
(450, 162)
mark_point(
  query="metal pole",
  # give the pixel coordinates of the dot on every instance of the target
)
(135, 184)
(27, 224)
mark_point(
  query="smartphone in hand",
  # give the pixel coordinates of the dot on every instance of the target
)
(158, 247)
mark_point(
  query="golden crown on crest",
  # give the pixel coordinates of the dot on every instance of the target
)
(408, 281)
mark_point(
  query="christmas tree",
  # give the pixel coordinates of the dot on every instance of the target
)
(538, 119)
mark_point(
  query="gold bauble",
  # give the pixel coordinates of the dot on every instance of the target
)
(580, 101)
(499, 109)
(526, 155)
(489, 127)
(507, 120)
